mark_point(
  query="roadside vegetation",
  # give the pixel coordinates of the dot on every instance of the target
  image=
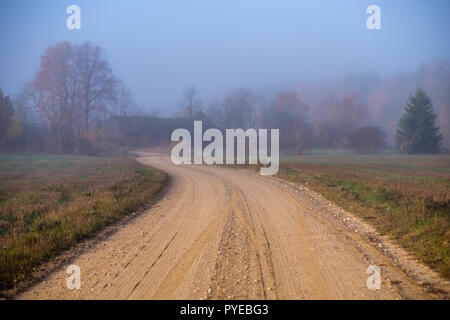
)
(404, 196)
(49, 203)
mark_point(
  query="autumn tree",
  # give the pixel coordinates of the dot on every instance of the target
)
(73, 87)
(54, 93)
(417, 131)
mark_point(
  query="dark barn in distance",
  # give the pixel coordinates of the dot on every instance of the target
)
(147, 131)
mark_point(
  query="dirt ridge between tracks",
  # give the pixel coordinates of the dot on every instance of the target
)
(222, 233)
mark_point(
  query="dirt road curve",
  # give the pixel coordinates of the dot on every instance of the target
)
(232, 234)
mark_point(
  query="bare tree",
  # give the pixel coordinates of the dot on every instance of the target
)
(288, 114)
(97, 85)
(126, 103)
(190, 104)
(23, 105)
(239, 109)
(215, 112)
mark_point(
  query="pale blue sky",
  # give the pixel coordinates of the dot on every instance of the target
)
(159, 47)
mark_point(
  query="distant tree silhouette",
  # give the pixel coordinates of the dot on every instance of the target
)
(9, 125)
(288, 114)
(335, 119)
(417, 131)
(190, 104)
(367, 139)
(239, 109)
(96, 85)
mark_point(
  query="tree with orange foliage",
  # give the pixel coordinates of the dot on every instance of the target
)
(73, 86)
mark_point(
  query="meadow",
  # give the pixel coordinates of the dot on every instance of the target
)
(404, 196)
(49, 203)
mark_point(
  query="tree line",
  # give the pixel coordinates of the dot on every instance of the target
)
(338, 123)
(75, 91)
(62, 108)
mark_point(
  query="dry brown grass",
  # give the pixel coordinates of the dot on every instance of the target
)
(407, 197)
(49, 203)
(404, 196)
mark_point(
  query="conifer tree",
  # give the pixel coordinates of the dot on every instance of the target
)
(417, 131)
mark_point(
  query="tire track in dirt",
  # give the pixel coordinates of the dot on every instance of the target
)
(241, 258)
(230, 234)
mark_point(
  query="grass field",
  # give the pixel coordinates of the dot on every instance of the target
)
(405, 196)
(48, 203)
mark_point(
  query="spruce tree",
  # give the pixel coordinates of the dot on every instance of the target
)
(417, 131)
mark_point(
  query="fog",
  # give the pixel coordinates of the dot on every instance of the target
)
(315, 48)
(159, 47)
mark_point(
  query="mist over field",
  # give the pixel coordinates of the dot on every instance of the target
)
(318, 49)
(204, 150)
